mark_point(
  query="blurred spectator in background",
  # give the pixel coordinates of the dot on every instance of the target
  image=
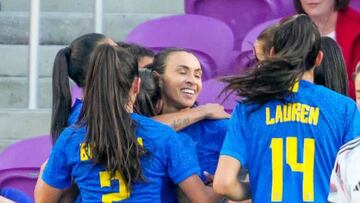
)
(337, 20)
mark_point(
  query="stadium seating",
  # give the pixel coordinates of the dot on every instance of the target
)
(251, 36)
(210, 93)
(208, 38)
(20, 163)
(240, 15)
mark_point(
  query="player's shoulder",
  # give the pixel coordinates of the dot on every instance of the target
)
(148, 128)
(71, 135)
(349, 146)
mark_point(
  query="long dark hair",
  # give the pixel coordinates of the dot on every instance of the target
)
(149, 95)
(70, 62)
(266, 38)
(137, 50)
(110, 129)
(332, 71)
(296, 44)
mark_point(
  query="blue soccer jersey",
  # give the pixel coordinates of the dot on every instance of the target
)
(208, 137)
(168, 157)
(290, 148)
(75, 112)
(169, 189)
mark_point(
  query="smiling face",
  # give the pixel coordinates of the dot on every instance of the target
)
(181, 81)
(318, 8)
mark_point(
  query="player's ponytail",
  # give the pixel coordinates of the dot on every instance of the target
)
(110, 132)
(70, 62)
(61, 96)
(296, 45)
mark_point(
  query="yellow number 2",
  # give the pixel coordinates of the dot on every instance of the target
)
(105, 181)
(307, 167)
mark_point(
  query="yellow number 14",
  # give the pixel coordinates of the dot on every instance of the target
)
(307, 167)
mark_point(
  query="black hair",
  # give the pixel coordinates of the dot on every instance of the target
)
(70, 62)
(267, 37)
(160, 59)
(138, 51)
(332, 71)
(296, 45)
(110, 134)
(149, 95)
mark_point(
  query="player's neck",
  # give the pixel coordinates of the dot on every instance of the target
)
(308, 76)
(169, 109)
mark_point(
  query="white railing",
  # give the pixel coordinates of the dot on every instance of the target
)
(98, 16)
(33, 54)
(34, 45)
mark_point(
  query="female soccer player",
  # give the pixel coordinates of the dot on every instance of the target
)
(114, 154)
(180, 82)
(285, 130)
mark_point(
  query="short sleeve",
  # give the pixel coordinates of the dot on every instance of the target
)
(352, 124)
(182, 159)
(235, 144)
(56, 173)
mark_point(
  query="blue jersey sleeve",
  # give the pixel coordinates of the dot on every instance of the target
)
(182, 159)
(234, 144)
(352, 124)
(57, 173)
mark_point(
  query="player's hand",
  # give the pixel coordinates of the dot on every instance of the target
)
(215, 111)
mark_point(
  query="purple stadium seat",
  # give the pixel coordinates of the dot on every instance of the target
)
(250, 37)
(240, 15)
(284, 8)
(244, 60)
(208, 38)
(210, 94)
(20, 163)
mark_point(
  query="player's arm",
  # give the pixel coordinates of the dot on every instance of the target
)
(5, 200)
(45, 193)
(67, 195)
(196, 191)
(186, 117)
(226, 180)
